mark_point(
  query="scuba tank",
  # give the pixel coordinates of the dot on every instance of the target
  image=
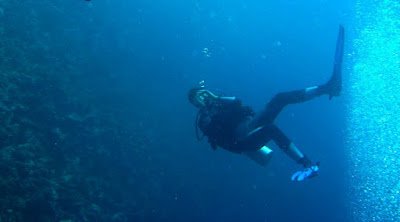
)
(261, 156)
(255, 139)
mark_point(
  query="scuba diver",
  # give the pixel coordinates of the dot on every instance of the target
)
(238, 129)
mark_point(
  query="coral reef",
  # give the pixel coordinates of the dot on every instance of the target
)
(65, 155)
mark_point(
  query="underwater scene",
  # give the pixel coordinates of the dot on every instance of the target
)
(199, 110)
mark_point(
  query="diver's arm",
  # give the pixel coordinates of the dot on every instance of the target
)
(227, 98)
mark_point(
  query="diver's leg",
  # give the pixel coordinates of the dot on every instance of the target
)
(287, 146)
(331, 88)
(334, 86)
(280, 100)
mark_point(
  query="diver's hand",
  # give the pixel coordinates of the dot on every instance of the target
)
(308, 172)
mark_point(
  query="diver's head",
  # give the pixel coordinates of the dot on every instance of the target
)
(201, 97)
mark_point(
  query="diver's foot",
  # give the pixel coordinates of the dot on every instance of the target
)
(333, 87)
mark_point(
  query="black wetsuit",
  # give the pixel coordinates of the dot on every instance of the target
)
(234, 127)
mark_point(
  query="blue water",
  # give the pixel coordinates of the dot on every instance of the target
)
(133, 62)
(257, 49)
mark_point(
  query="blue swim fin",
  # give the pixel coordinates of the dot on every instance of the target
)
(308, 172)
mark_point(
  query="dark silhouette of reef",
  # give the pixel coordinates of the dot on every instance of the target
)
(67, 151)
